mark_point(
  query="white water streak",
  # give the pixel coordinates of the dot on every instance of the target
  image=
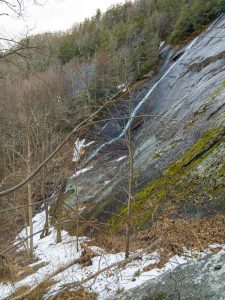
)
(134, 113)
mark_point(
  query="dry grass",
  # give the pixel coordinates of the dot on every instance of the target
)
(110, 242)
(8, 269)
(38, 294)
(190, 234)
(15, 266)
(81, 294)
(176, 235)
(5, 273)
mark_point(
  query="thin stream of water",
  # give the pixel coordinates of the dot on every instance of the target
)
(135, 111)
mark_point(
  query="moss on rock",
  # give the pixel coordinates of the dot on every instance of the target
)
(177, 182)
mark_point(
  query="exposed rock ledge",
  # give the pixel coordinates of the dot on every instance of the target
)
(200, 280)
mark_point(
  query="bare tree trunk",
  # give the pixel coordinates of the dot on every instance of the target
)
(13, 166)
(45, 231)
(130, 180)
(77, 199)
(59, 221)
(29, 194)
(58, 148)
(59, 210)
(127, 250)
(77, 217)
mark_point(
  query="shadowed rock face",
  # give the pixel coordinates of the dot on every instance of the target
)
(187, 102)
(200, 280)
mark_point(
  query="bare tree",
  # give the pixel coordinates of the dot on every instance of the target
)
(128, 138)
(29, 194)
(15, 7)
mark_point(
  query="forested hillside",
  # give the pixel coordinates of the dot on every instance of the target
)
(74, 73)
(88, 162)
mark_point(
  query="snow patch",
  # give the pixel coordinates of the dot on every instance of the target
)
(121, 158)
(79, 149)
(162, 44)
(106, 182)
(79, 172)
(122, 87)
(52, 256)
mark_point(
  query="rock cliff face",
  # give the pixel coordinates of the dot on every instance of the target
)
(180, 121)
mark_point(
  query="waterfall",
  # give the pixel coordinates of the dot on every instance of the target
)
(151, 90)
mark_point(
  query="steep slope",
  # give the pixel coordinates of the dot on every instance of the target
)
(176, 124)
(60, 271)
(183, 104)
(53, 257)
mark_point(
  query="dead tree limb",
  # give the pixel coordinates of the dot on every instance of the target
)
(51, 275)
(82, 260)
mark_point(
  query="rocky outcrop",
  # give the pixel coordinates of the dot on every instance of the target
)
(200, 280)
(183, 106)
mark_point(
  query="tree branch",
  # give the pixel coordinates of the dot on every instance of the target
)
(79, 283)
(26, 180)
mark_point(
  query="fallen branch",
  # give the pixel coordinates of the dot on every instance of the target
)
(80, 260)
(83, 260)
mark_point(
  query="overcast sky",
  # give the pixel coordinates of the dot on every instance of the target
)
(54, 15)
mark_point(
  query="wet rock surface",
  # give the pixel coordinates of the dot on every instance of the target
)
(199, 280)
(181, 108)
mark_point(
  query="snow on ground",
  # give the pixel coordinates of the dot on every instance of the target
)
(79, 147)
(47, 251)
(54, 255)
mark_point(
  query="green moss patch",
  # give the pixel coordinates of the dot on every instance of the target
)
(176, 183)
